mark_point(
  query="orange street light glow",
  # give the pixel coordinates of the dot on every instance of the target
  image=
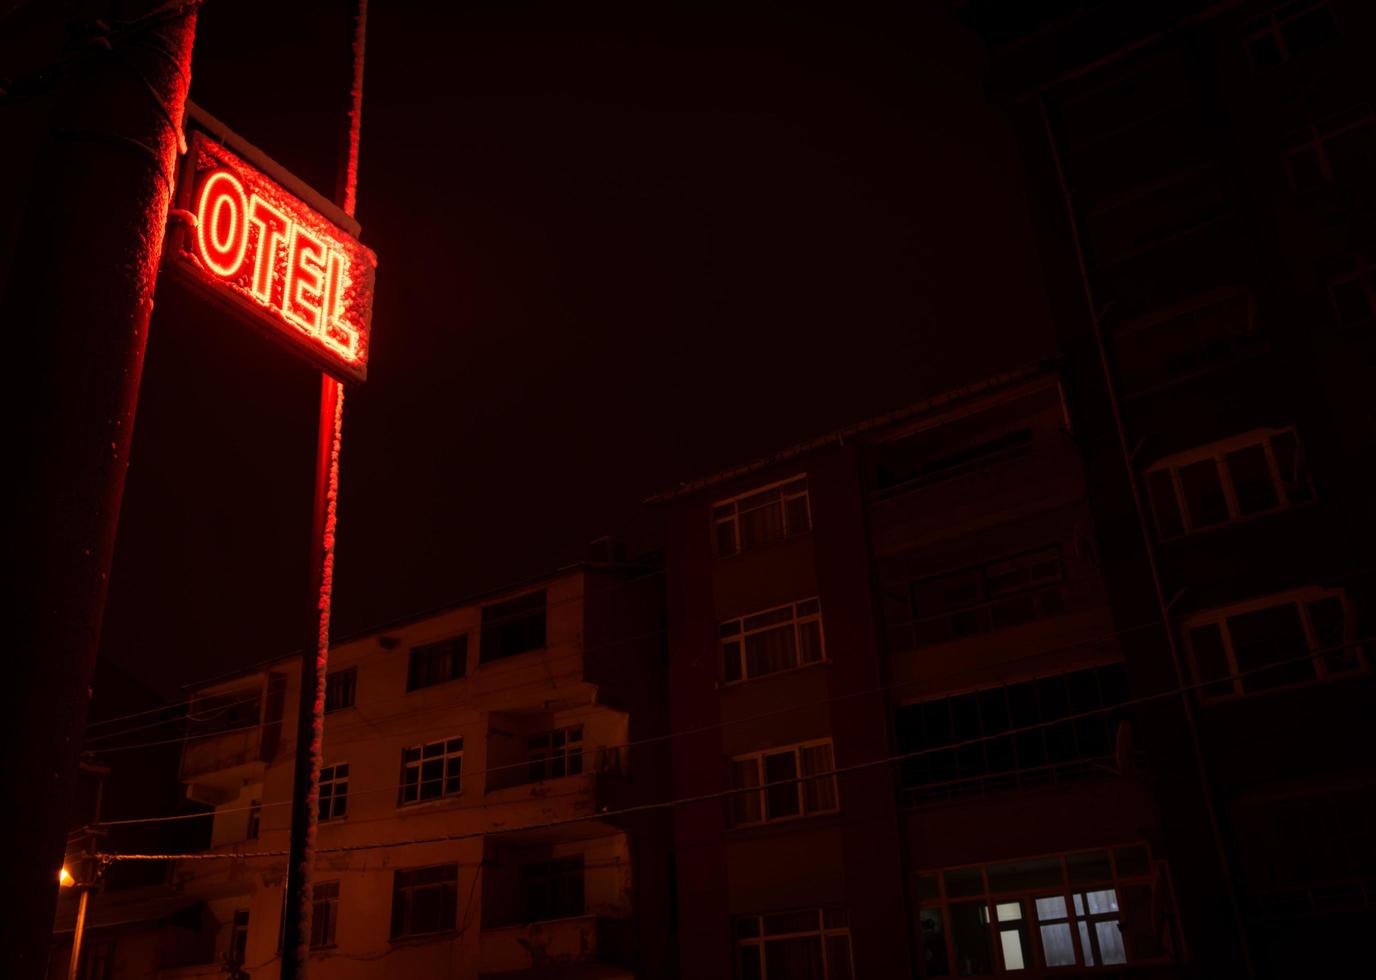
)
(64, 878)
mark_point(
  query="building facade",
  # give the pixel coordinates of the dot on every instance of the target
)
(470, 757)
(914, 729)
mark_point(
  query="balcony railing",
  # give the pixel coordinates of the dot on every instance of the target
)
(542, 945)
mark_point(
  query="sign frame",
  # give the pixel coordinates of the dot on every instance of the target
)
(207, 136)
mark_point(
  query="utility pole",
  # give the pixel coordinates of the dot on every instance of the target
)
(75, 313)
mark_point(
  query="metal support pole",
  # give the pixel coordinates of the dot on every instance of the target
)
(310, 717)
(74, 312)
(1163, 605)
(79, 932)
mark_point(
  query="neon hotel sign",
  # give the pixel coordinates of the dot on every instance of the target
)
(297, 271)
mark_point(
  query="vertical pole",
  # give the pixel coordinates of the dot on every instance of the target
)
(75, 310)
(310, 713)
(310, 717)
(79, 932)
(1144, 528)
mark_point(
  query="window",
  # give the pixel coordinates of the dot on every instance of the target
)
(813, 943)
(255, 820)
(1288, 30)
(979, 599)
(772, 641)
(1166, 347)
(431, 771)
(436, 663)
(238, 936)
(773, 513)
(553, 889)
(1255, 473)
(1339, 149)
(1087, 908)
(1039, 730)
(553, 755)
(1279, 641)
(512, 627)
(334, 791)
(340, 687)
(324, 913)
(425, 901)
(919, 460)
(779, 784)
(1353, 293)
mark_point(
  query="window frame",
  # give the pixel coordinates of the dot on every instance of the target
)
(1302, 599)
(1314, 139)
(451, 889)
(800, 781)
(337, 803)
(453, 648)
(734, 631)
(551, 872)
(1363, 273)
(489, 630)
(732, 518)
(1273, 23)
(1076, 913)
(324, 894)
(445, 755)
(1218, 452)
(758, 939)
(570, 753)
(346, 678)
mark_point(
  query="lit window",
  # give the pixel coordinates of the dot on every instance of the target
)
(1287, 31)
(1279, 641)
(1035, 731)
(425, 901)
(772, 641)
(334, 791)
(324, 913)
(514, 626)
(437, 663)
(806, 943)
(1088, 908)
(1254, 473)
(340, 688)
(429, 772)
(553, 755)
(762, 516)
(782, 783)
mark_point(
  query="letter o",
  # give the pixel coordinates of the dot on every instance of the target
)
(221, 225)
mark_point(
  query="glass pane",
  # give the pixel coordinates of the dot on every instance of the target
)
(1012, 946)
(770, 651)
(970, 937)
(1085, 945)
(1051, 907)
(726, 538)
(1057, 946)
(810, 642)
(744, 807)
(1161, 490)
(1203, 493)
(838, 957)
(1008, 911)
(1210, 661)
(1110, 942)
(761, 525)
(797, 958)
(933, 943)
(1290, 465)
(819, 794)
(750, 963)
(731, 660)
(796, 515)
(782, 799)
(1328, 621)
(1102, 901)
(1252, 484)
(1266, 637)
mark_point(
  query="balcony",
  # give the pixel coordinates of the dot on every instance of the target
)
(231, 737)
(558, 948)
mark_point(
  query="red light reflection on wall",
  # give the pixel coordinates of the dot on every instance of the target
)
(273, 256)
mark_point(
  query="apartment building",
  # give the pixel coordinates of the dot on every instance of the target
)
(913, 742)
(1202, 177)
(476, 763)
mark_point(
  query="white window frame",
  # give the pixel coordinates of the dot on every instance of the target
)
(1296, 597)
(336, 782)
(418, 763)
(1218, 452)
(823, 932)
(1273, 23)
(734, 631)
(1314, 139)
(728, 512)
(800, 781)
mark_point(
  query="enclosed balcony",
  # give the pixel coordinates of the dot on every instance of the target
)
(232, 735)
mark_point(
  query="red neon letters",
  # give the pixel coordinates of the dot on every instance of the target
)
(277, 259)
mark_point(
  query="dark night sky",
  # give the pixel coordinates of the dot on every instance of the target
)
(617, 248)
